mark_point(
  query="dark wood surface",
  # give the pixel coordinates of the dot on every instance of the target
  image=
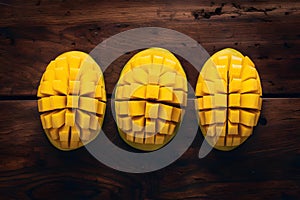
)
(267, 166)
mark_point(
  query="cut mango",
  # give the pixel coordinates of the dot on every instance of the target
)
(72, 100)
(229, 99)
(150, 98)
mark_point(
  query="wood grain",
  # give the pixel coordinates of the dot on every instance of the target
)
(33, 33)
(267, 164)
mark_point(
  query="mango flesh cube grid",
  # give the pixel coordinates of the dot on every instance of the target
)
(72, 100)
(150, 98)
(228, 95)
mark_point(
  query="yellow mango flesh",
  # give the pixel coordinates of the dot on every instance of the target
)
(150, 98)
(72, 100)
(229, 99)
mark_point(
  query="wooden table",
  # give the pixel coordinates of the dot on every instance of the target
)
(266, 166)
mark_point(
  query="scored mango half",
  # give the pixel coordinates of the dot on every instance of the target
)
(229, 99)
(72, 100)
(150, 98)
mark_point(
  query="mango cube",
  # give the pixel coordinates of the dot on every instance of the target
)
(136, 108)
(152, 92)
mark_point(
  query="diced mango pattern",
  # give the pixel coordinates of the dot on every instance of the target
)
(150, 98)
(229, 99)
(72, 100)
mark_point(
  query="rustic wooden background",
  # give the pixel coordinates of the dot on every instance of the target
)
(34, 32)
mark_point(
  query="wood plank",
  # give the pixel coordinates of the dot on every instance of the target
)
(278, 189)
(267, 165)
(34, 32)
(49, 12)
(268, 32)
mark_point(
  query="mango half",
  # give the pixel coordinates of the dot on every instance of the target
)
(150, 98)
(229, 99)
(72, 100)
